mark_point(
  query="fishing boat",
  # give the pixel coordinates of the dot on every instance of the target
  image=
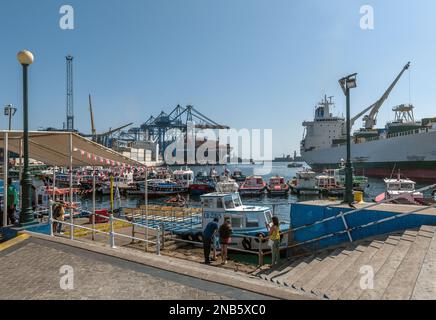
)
(403, 188)
(184, 177)
(277, 186)
(245, 220)
(329, 185)
(252, 186)
(202, 184)
(226, 185)
(158, 188)
(360, 182)
(305, 183)
(238, 176)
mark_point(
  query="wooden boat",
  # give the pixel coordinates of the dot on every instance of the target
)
(238, 176)
(202, 184)
(329, 185)
(305, 183)
(277, 186)
(252, 186)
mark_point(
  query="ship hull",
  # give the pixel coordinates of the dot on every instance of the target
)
(414, 155)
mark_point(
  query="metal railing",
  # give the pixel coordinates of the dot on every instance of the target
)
(347, 230)
(112, 234)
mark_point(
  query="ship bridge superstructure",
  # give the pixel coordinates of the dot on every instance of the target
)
(325, 130)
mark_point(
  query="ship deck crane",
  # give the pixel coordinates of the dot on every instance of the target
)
(370, 120)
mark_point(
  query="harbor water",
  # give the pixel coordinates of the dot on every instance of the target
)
(280, 204)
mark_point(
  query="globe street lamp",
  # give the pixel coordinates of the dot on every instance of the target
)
(347, 83)
(25, 58)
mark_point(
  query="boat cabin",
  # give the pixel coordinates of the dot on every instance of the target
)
(184, 177)
(229, 205)
(399, 185)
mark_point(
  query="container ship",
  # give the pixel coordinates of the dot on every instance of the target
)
(404, 144)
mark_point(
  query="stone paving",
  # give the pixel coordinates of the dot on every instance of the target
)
(31, 270)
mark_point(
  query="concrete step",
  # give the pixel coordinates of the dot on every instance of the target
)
(289, 279)
(300, 283)
(334, 292)
(298, 264)
(338, 271)
(384, 276)
(425, 288)
(354, 290)
(403, 282)
(328, 266)
(285, 264)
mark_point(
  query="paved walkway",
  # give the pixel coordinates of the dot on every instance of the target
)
(31, 270)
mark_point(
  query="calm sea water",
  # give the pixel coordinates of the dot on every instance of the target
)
(281, 205)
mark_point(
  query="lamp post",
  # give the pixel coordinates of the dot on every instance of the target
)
(347, 83)
(25, 58)
(10, 112)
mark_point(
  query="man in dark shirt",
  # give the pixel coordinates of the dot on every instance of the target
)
(208, 235)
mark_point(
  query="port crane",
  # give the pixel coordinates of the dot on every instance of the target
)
(102, 138)
(370, 120)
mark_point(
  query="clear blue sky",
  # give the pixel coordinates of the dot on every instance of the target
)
(244, 63)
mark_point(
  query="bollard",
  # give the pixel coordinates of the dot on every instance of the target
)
(111, 233)
(260, 253)
(93, 226)
(163, 235)
(50, 218)
(158, 241)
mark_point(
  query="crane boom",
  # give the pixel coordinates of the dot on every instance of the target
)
(371, 119)
(93, 132)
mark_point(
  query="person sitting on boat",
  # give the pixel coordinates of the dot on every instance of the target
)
(274, 237)
(225, 232)
(208, 234)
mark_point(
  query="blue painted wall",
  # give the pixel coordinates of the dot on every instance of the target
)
(303, 214)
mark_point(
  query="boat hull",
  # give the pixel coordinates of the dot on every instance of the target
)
(414, 155)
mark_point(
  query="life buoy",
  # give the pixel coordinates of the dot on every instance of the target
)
(246, 243)
(260, 235)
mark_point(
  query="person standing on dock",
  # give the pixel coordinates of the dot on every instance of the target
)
(208, 235)
(225, 233)
(12, 195)
(274, 237)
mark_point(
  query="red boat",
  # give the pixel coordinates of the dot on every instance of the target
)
(252, 186)
(277, 186)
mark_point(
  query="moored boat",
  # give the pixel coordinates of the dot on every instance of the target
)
(253, 186)
(305, 183)
(277, 186)
(401, 190)
(238, 176)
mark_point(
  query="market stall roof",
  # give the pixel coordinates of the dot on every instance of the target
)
(53, 148)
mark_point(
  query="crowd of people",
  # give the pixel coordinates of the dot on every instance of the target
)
(223, 233)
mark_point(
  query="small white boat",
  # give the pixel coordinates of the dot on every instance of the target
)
(402, 188)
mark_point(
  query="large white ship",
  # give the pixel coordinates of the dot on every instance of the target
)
(403, 144)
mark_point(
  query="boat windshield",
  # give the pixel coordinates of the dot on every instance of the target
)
(237, 200)
(229, 203)
(407, 186)
(268, 216)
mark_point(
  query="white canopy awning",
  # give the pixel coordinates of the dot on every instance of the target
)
(53, 148)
